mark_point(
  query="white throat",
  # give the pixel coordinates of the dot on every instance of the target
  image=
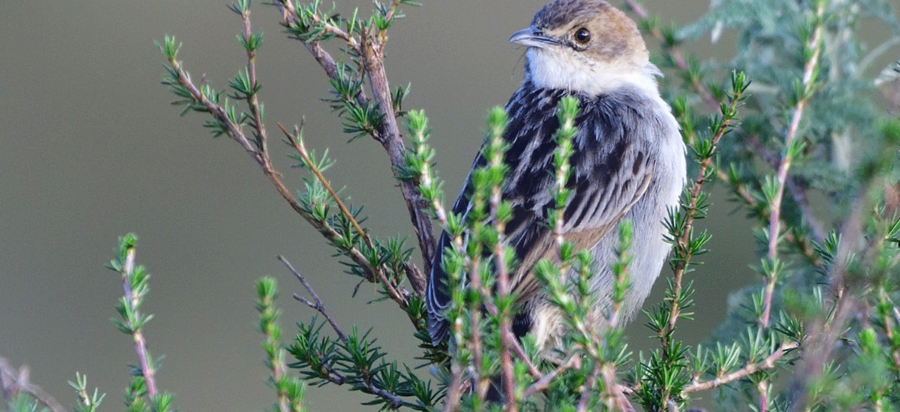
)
(556, 69)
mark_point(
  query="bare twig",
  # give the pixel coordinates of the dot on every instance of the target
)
(13, 381)
(317, 304)
(333, 376)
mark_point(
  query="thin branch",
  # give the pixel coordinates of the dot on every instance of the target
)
(475, 344)
(823, 333)
(289, 16)
(743, 194)
(809, 71)
(543, 383)
(140, 343)
(339, 33)
(13, 381)
(396, 402)
(370, 49)
(454, 390)
(379, 271)
(334, 376)
(503, 281)
(517, 350)
(514, 346)
(428, 184)
(798, 192)
(586, 390)
(762, 387)
(252, 98)
(318, 305)
(392, 10)
(297, 144)
(747, 370)
(392, 141)
(235, 131)
(268, 325)
(832, 323)
(683, 241)
(617, 399)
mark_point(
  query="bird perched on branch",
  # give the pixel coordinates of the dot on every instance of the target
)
(628, 161)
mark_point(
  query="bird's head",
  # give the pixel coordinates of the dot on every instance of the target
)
(586, 46)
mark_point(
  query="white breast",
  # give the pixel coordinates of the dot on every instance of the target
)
(557, 68)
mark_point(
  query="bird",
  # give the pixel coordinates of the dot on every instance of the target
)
(628, 163)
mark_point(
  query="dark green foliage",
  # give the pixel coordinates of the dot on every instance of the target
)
(358, 363)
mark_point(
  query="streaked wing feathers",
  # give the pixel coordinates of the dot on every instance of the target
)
(612, 167)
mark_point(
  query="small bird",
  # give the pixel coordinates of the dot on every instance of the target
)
(628, 162)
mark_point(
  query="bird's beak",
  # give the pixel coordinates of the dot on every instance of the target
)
(532, 37)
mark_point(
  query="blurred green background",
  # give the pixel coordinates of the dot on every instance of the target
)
(91, 149)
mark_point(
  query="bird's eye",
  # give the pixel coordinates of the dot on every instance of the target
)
(583, 35)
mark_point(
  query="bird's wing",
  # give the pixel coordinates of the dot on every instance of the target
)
(437, 295)
(599, 196)
(611, 171)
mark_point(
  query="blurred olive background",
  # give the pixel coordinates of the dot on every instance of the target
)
(91, 149)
